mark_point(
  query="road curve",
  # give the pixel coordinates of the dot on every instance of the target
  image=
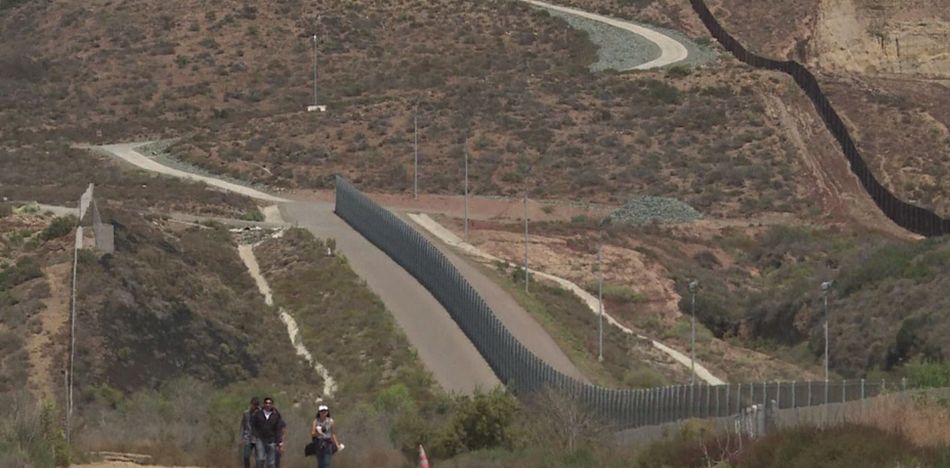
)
(439, 342)
(671, 50)
(127, 152)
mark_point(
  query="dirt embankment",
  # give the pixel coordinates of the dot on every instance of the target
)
(904, 37)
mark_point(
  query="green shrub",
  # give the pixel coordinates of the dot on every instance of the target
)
(928, 374)
(482, 421)
(24, 270)
(253, 214)
(59, 227)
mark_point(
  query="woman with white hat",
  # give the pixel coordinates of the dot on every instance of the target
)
(323, 432)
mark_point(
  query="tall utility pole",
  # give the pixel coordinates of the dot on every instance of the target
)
(415, 150)
(466, 195)
(526, 240)
(600, 303)
(693, 286)
(314, 69)
(825, 286)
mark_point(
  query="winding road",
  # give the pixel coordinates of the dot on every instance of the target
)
(439, 342)
(671, 50)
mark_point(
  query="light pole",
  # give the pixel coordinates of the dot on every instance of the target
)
(825, 286)
(466, 193)
(525, 240)
(314, 70)
(415, 150)
(315, 106)
(600, 303)
(693, 286)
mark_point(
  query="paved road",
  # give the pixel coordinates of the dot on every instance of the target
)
(432, 228)
(438, 340)
(671, 50)
(518, 321)
(445, 351)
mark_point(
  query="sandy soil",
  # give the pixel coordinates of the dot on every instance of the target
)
(884, 37)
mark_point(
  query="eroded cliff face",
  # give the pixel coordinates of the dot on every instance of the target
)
(910, 37)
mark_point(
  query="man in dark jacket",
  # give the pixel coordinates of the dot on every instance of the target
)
(247, 437)
(268, 427)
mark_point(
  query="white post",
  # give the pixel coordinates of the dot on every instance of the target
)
(600, 303)
(415, 150)
(314, 69)
(526, 240)
(693, 285)
(825, 286)
(466, 195)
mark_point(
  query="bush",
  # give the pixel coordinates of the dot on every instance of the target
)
(482, 421)
(928, 374)
(253, 214)
(59, 227)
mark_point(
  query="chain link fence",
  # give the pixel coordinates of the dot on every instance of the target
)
(524, 373)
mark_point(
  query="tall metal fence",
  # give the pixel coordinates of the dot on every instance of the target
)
(524, 373)
(910, 217)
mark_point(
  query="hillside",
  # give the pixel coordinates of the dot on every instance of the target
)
(174, 316)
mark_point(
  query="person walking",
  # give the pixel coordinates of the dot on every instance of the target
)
(267, 426)
(247, 437)
(323, 431)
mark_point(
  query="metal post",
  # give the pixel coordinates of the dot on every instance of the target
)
(466, 195)
(692, 337)
(794, 405)
(526, 275)
(600, 303)
(314, 69)
(825, 286)
(778, 395)
(72, 335)
(415, 150)
(728, 386)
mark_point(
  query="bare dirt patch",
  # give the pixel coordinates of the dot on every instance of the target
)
(47, 347)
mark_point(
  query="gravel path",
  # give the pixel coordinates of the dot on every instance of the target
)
(246, 252)
(625, 45)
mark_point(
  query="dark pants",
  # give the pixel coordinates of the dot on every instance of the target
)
(246, 453)
(323, 459)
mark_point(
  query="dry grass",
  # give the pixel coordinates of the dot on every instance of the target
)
(923, 419)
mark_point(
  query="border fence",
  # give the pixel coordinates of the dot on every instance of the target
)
(910, 217)
(524, 373)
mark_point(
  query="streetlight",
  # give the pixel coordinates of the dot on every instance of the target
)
(465, 150)
(315, 106)
(600, 303)
(415, 149)
(526, 240)
(693, 286)
(825, 286)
